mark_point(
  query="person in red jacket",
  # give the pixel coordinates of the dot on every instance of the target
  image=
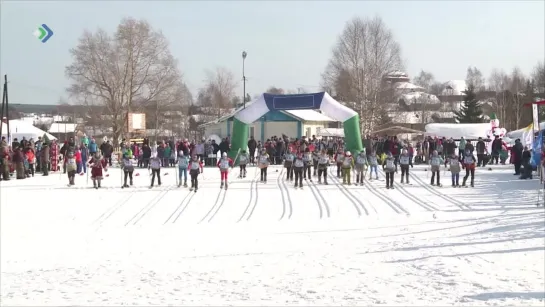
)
(97, 163)
(224, 163)
(77, 156)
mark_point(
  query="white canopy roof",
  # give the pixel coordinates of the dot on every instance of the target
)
(338, 132)
(456, 131)
(20, 129)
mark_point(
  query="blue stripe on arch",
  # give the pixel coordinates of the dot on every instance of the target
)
(293, 102)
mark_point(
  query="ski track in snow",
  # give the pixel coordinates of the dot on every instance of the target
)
(437, 193)
(399, 187)
(139, 246)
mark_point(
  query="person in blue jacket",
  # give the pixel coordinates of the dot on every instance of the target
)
(93, 147)
(84, 156)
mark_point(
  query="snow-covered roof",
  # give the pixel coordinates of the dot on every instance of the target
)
(419, 97)
(407, 86)
(19, 128)
(310, 115)
(62, 128)
(415, 117)
(397, 74)
(454, 87)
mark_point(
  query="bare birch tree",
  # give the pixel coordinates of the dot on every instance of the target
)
(124, 72)
(219, 90)
(364, 53)
(518, 85)
(425, 80)
(475, 77)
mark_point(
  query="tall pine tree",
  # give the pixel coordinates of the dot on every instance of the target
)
(471, 110)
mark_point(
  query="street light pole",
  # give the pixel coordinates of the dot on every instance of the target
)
(244, 54)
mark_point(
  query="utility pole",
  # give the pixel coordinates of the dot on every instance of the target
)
(244, 54)
(4, 112)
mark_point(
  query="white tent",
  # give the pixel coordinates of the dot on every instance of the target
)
(338, 132)
(456, 131)
(19, 129)
(519, 134)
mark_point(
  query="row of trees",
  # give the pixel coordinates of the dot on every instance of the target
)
(133, 70)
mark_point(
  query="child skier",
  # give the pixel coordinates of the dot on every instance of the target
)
(307, 158)
(323, 164)
(469, 165)
(31, 158)
(195, 169)
(315, 159)
(97, 163)
(155, 166)
(183, 162)
(224, 163)
(373, 165)
(243, 160)
(339, 158)
(71, 167)
(389, 167)
(347, 165)
(79, 162)
(404, 162)
(454, 163)
(361, 167)
(299, 165)
(288, 164)
(264, 161)
(128, 167)
(435, 162)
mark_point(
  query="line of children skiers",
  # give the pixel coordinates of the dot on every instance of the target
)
(297, 165)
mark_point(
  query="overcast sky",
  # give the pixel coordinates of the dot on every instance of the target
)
(288, 43)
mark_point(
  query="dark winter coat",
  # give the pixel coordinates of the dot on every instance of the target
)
(252, 144)
(449, 148)
(526, 156)
(496, 147)
(516, 152)
(224, 146)
(481, 147)
(146, 151)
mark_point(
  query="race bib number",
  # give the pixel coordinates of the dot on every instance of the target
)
(404, 160)
(347, 162)
(435, 161)
(454, 162)
(299, 163)
(324, 160)
(195, 165)
(72, 161)
(340, 158)
(468, 160)
(390, 164)
(224, 164)
(360, 160)
(182, 162)
(243, 159)
(263, 160)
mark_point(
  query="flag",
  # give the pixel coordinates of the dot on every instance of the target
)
(537, 149)
(528, 136)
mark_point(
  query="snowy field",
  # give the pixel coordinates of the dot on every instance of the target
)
(269, 244)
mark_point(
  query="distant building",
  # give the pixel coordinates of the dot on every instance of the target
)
(293, 123)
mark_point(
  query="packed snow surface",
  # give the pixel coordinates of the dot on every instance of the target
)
(270, 244)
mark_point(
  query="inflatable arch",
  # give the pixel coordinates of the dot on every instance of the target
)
(322, 101)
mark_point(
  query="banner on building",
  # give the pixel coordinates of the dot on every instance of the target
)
(535, 117)
(137, 122)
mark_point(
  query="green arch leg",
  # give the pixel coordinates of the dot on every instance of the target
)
(352, 134)
(239, 138)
